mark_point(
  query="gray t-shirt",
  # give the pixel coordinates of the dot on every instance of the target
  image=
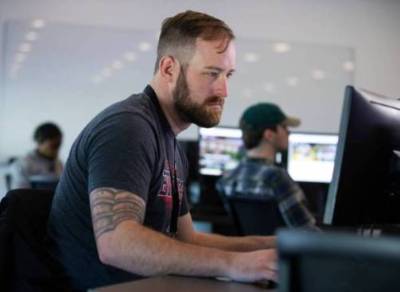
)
(123, 147)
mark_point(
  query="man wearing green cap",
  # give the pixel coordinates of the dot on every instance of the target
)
(265, 132)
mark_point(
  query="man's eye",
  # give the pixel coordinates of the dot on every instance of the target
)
(213, 74)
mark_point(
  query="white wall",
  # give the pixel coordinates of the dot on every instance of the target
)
(370, 27)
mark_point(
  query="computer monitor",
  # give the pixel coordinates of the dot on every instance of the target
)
(220, 149)
(311, 157)
(365, 188)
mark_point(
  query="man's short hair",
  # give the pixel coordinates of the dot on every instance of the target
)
(46, 131)
(179, 33)
(260, 117)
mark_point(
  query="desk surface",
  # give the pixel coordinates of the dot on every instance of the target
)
(182, 284)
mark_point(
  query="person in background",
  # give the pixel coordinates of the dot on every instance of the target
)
(120, 211)
(265, 132)
(42, 162)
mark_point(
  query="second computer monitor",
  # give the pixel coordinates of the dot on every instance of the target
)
(311, 157)
(220, 149)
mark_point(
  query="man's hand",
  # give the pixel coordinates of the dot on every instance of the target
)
(255, 266)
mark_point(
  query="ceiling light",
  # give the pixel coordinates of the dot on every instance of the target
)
(15, 67)
(130, 56)
(348, 66)
(144, 46)
(38, 23)
(25, 47)
(117, 65)
(318, 74)
(281, 47)
(31, 36)
(106, 72)
(97, 79)
(251, 57)
(292, 81)
(247, 93)
(269, 87)
(19, 57)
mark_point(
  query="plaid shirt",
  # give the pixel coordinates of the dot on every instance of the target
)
(259, 178)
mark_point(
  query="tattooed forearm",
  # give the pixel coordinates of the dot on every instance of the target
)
(111, 206)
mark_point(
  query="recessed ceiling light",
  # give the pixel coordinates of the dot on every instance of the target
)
(269, 87)
(348, 66)
(25, 47)
(31, 36)
(38, 23)
(247, 93)
(106, 72)
(15, 67)
(19, 57)
(281, 47)
(144, 46)
(318, 74)
(130, 56)
(251, 57)
(292, 81)
(97, 79)
(117, 65)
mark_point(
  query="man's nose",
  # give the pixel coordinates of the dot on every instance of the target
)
(221, 88)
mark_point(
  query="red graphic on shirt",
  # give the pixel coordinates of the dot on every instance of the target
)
(165, 193)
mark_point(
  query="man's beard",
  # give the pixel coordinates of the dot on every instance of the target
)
(191, 112)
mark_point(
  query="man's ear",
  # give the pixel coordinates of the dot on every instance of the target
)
(268, 134)
(169, 68)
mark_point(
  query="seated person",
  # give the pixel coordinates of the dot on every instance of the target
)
(265, 133)
(41, 163)
(120, 211)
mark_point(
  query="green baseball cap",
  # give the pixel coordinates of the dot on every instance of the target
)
(264, 115)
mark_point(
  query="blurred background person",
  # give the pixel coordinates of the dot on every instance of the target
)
(42, 163)
(265, 133)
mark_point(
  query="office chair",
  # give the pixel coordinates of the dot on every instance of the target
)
(25, 261)
(312, 261)
(8, 176)
(253, 216)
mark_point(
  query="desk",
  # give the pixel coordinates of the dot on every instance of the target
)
(181, 284)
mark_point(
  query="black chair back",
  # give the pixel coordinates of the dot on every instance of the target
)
(25, 261)
(254, 216)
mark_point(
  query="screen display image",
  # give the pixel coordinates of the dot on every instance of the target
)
(220, 149)
(311, 157)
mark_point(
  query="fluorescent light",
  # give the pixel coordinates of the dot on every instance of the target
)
(117, 65)
(318, 74)
(130, 56)
(31, 36)
(251, 57)
(15, 67)
(20, 57)
(292, 81)
(38, 23)
(106, 72)
(144, 46)
(269, 87)
(97, 79)
(348, 66)
(281, 47)
(25, 47)
(247, 93)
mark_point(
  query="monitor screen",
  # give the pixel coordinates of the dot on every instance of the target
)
(365, 188)
(220, 149)
(311, 157)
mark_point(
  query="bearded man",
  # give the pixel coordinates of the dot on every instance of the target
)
(120, 211)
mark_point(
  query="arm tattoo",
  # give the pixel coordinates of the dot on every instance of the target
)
(110, 207)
